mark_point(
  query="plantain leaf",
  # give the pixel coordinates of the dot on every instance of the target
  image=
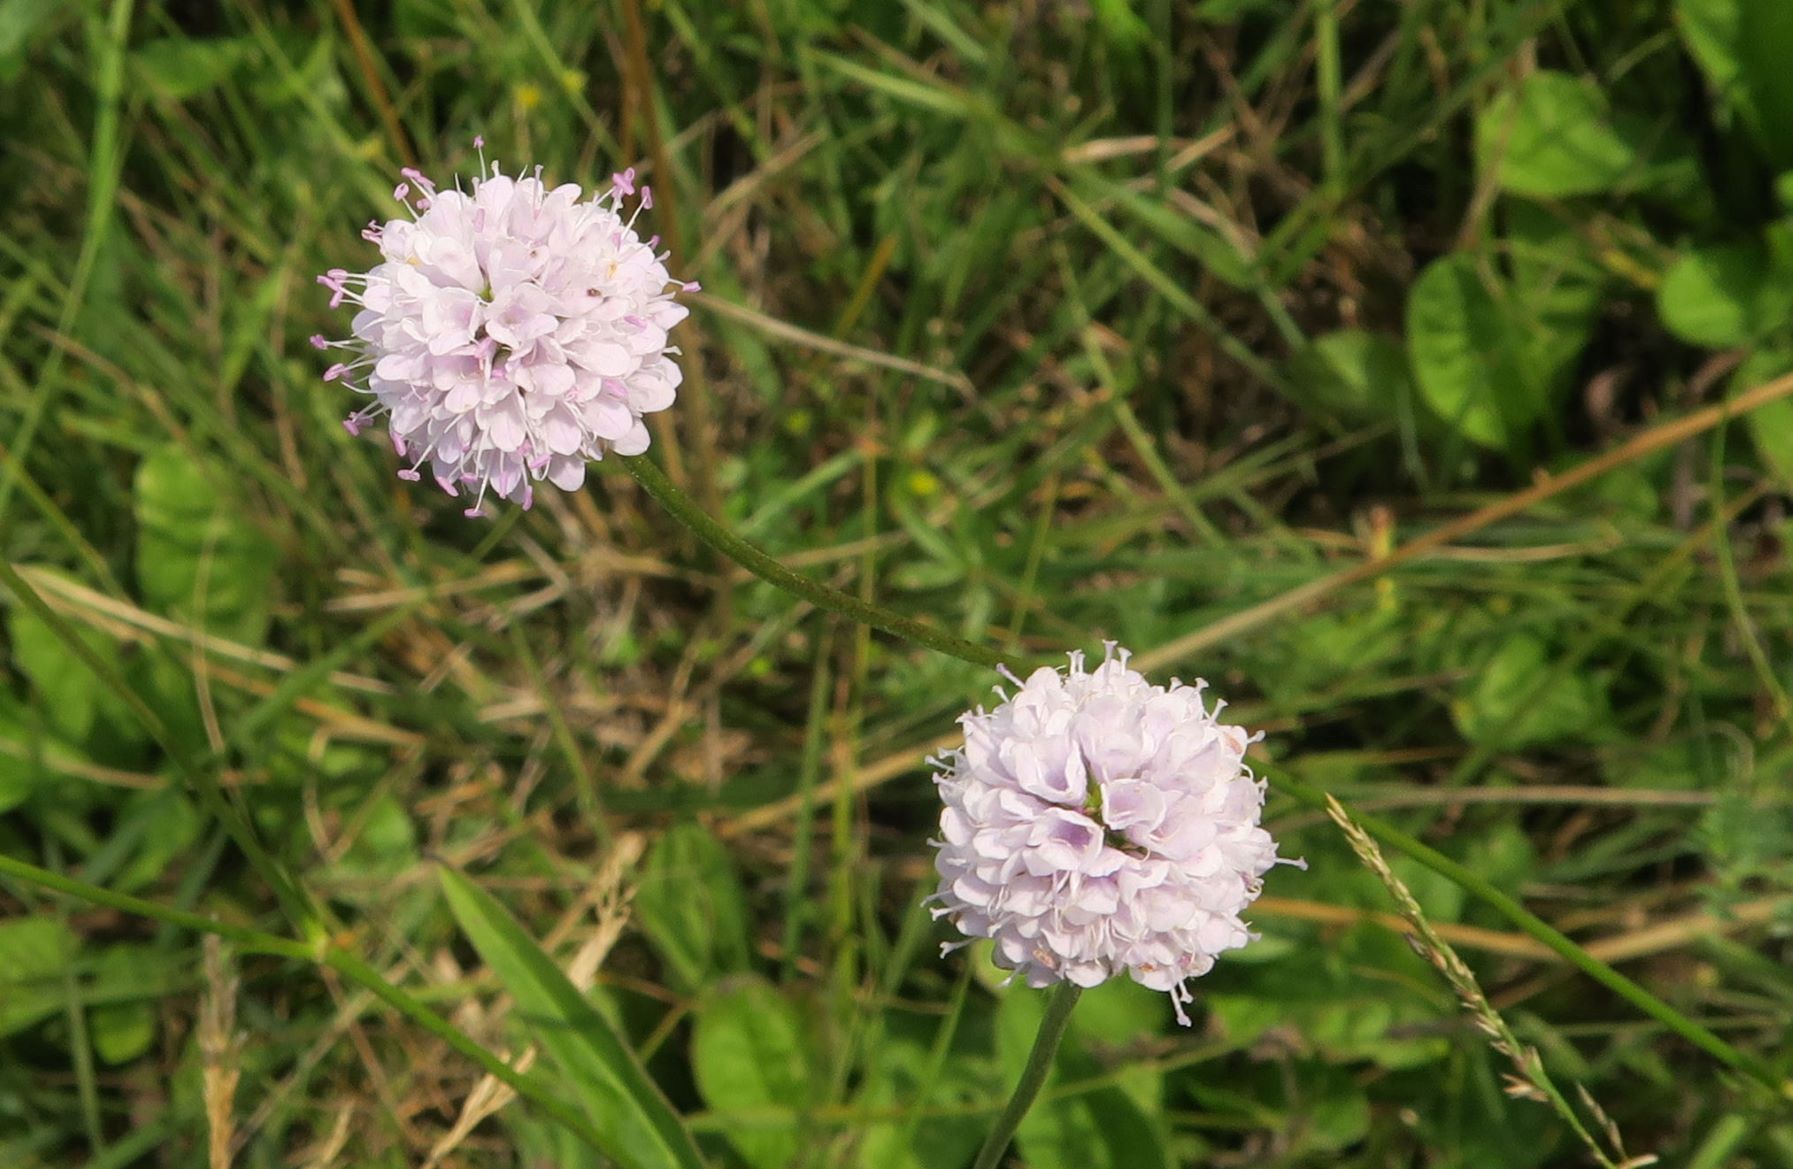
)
(1770, 426)
(34, 951)
(198, 555)
(1552, 137)
(748, 1052)
(1466, 346)
(691, 906)
(1709, 296)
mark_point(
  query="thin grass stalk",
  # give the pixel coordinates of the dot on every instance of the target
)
(105, 159)
(1529, 1078)
(1546, 934)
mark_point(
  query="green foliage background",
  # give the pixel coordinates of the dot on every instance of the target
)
(1047, 322)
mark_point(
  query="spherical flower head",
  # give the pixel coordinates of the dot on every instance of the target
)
(1096, 823)
(512, 332)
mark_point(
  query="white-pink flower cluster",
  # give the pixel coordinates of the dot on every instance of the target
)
(1096, 823)
(512, 333)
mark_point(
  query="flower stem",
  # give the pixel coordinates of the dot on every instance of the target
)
(767, 568)
(1472, 882)
(319, 953)
(1033, 1077)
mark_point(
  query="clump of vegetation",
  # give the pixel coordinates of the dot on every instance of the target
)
(1416, 373)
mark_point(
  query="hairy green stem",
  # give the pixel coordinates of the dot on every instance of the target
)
(1548, 935)
(318, 953)
(1033, 1077)
(706, 528)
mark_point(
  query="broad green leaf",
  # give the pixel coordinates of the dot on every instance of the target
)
(1764, 48)
(1711, 30)
(1745, 839)
(1320, 1107)
(691, 906)
(1492, 354)
(1633, 492)
(1329, 646)
(22, 24)
(1504, 855)
(1466, 350)
(1770, 426)
(383, 841)
(1120, 24)
(1553, 288)
(1109, 1128)
(1473, 1121)
(1551, 137)
(748, 1054)
(1227, 12)
(1707, 762)
(1710, 296)
(167, 685)
(34, 953)
(418, 19)
(1353, 375)
(25, 754)
(198, 557)
(1117, 1013)
(1520, 698)
(184, 67)
(68, 690)
(76, 705)
(151, 831)
(640, 1127)
(1363, 995)
(1337, 1112)
(121, 1031)
(903, 1080)
(17, 779)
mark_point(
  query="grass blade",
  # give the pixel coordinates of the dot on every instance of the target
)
(639, 1126)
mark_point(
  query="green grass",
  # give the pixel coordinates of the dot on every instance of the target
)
(1042, 323)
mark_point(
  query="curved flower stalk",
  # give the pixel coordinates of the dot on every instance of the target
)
(511, 334)
(1095, 823)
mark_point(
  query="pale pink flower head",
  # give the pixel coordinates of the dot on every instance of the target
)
(1096, 823)
(512, 332)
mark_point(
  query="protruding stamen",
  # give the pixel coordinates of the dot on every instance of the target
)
(423, 181)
